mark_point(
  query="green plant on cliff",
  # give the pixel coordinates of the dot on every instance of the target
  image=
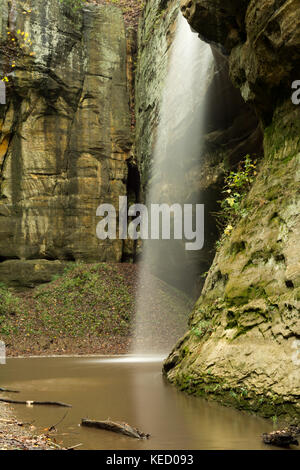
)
(202, 328)
(73, 5)
(237, 186)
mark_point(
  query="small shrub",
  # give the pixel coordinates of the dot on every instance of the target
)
(237, 186)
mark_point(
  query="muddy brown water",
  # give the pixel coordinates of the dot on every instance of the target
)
(125, 389)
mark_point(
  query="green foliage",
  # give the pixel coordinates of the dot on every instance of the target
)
(9, 306)
(87, 301)
(204, 275)
(73, 5)
(16, 45)
(201, 329)
(94, 301)
(274, 419)
(237, 186)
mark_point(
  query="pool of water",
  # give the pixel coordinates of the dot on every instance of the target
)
(126, 389)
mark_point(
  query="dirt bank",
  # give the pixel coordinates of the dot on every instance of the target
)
(90, 309)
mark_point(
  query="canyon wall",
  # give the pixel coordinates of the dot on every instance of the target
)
(65, 135)
(66, 147)
(243, 345)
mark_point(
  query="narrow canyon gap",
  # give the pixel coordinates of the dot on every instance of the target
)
(178, 146)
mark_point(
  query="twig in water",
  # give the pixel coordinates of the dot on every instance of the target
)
(53, 427)
(8, 391)
(31, 402)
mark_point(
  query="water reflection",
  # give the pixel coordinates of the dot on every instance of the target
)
(125, 389)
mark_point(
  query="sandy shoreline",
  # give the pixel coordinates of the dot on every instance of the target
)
(20, 436)
(44, 346)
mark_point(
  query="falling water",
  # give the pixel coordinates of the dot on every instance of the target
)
(160, 322)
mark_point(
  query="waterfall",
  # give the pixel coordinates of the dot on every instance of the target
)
(159, 323)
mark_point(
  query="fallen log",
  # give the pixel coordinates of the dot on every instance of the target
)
(283, 438)
(121, 428)
(8, 390)
(31, 402)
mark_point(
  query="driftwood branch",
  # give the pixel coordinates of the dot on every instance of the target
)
(29, 402)
(8, 390)
(74, 447)
(283, 438)
(121, 428)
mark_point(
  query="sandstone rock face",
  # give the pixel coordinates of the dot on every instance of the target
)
(243, 345)
(65, 132)
(231, 131)
(262, 39)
